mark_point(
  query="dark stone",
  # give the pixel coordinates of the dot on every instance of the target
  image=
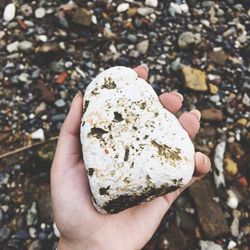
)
(210, 215)
(4, 233)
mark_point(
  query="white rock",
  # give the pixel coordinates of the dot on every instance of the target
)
(38, 134)
(232, 244)
(25, 46)
(2, 34)
(144, 11)
(12, 47)
(9, 12)
(232, 200)
(151, 3)
(219, 178)
(133, 148)
(40, 12)
(56, 231)
(174, 9)
(122, 7)
(184, 8)
(209, 245)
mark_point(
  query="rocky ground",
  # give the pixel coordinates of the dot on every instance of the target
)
(51, 49)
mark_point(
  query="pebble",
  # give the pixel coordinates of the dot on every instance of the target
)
(56, 231)
(122, 7)
(212, 114)
(132, 38)
(60, 103)
(142, 47)
(232, 244)
(40, 13)
(31, 217)
(9, 12)
(24, 77)
(174, 9)
(188, 38)
(209, 245)
(144, 11)
(232, 200)
(194, 79)
(246, 100)
(12, 47)
(25, 46)
(38, 134)
(32, 232)
(218, 56)
(35, 245)
(231, 166)
(40, 108)
(82, 16)
(152, 3)
(4, 233)
(26, 10)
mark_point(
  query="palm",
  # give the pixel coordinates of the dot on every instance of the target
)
(74, 212)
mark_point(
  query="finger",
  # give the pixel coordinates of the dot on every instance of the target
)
(68, 146)
(142, 71)
(171, 101)
(202, 167)
(191, 122)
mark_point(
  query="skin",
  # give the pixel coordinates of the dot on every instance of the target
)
(80, 225)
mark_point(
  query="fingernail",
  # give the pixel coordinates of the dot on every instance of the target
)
(145, 66)
(197, 113)
(79, 94)
(179, 95)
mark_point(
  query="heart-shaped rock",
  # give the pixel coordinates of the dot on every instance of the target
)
(133, 148)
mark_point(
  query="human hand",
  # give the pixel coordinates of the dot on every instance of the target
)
(80, 225)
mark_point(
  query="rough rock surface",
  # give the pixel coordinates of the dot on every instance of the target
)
(133, 148)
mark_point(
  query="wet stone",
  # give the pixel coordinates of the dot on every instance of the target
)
(210, 215)
(82, 16)
(194, 79)
(4, 233)
(212, 114)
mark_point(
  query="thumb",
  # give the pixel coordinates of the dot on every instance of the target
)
(69, 146)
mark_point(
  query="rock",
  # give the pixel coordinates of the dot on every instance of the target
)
(61, 78)
(176, 64)
(40, 108)
(132, 38)
(60, 103)
(32, 232)
(175, 239)
(212, 114)
(209, 245)
(12, 46)
(235, 223)
(151, 3)
(31, 217)
(144, 11)
(232, 200)
(35, 245)
(194, 79)
(25, 46)
(188, 38)
(210, 216)
(9, 12)
(110, 114)
(218, 162)
(4, 233)
(38, 134)
(122, 7)
(82, 16)
(246, 100)
(231, 166)
(26, 10)
(56, 231)
(142, 47)
(174, 9)
(40, 13)
(213, 88)
(231, 245)
(218, 56)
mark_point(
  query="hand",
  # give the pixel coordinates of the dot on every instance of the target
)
(80, 225)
